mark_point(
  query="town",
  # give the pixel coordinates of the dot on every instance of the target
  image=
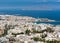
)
(24, 29)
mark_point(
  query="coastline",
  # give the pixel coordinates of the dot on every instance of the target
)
(37, 19)
(19, 29)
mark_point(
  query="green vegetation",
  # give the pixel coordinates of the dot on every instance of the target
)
(49, 30)
(45, 41)
(17, 34)
(22, 33)
(36, 31)
(53, 41)
(5, 30)
(7, 27)
(38, 39)
(27, 32)
(43, 35)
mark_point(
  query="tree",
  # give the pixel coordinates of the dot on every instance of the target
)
(43, 35)
(7, 27)
(52, 41)
(36, 38)
(49, 30)
(27, 32)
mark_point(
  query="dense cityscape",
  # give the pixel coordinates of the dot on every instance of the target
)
(24, 29)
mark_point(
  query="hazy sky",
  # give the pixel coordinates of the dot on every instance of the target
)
(30, 4)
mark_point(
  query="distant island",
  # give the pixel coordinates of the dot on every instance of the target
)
(24, 29)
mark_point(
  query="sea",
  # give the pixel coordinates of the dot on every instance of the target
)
(50, 14)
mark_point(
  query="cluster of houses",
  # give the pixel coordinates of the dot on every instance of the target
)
(21, 29)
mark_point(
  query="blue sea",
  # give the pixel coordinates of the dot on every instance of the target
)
(54, 14)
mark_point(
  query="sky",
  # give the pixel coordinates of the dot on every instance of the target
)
(30, 4)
